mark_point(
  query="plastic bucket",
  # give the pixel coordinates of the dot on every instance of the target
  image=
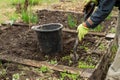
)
(49, 37)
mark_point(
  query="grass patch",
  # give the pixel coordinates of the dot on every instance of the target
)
(32, 2)
(14, 17)
(5, 10)
(48, 1)
(29, 17)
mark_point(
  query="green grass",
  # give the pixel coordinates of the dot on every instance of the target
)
(48, 1)
(14, 2)
(14, 17)
(5, 10)
(29, 17)
(32, 2)
(25, 16)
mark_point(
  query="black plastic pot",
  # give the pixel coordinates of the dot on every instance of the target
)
(49, 37)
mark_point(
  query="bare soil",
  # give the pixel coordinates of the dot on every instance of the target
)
(56, 16)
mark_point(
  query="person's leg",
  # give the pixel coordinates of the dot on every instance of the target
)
(114, 70)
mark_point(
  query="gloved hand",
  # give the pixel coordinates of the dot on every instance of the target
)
(82, 30)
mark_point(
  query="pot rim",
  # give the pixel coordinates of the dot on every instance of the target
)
(36, 28)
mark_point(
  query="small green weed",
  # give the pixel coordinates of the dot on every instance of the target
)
(16, 76)
(43, 69)
(114, 48)
(71, 21)
(84, 65)
(3, 72)
(99, 28)
(87, 62)
(53, 62)
(67, 58)
(84, 47)
(113, 30)
(68, 75)
(89, 59)
(109, 17)
(102, 47)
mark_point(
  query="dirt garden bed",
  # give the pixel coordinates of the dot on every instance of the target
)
(71, 20)
(21, 41)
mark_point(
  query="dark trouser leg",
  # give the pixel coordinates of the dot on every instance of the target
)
(114, 70)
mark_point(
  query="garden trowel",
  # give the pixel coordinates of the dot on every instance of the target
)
(87, 12)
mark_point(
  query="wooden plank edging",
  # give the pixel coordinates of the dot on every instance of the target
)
(92, 33)
(82, 72)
